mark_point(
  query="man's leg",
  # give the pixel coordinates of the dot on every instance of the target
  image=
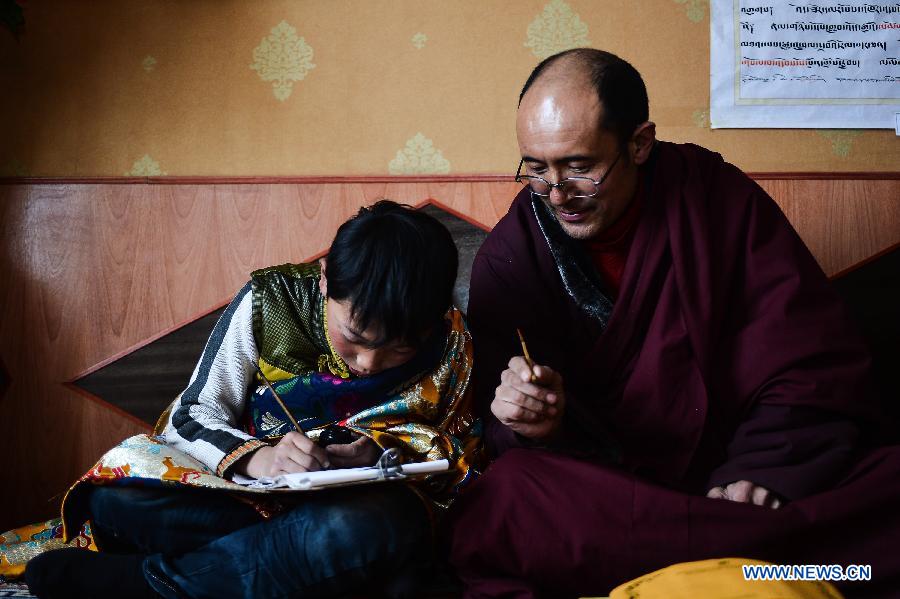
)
(541, 524)
(332, 543)
(171, 520)
(552, 525)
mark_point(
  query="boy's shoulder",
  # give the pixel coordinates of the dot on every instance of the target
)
(304, 270)
(287, 316)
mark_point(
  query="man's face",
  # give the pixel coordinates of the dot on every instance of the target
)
(558, 127)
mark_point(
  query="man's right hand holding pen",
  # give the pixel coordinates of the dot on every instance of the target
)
(531, 409)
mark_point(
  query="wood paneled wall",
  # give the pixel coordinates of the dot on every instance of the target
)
(92, 270)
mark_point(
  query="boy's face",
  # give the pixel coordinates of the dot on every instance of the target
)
(355, 346)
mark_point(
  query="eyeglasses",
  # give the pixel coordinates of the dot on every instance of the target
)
(581, 187)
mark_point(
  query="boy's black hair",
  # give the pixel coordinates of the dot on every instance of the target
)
(619, 87)
(397, 267)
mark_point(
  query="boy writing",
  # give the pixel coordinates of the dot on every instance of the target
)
(361, 343)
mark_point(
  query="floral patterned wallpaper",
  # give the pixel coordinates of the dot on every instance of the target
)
(347, 87)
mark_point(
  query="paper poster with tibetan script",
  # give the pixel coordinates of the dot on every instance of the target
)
(806, 64)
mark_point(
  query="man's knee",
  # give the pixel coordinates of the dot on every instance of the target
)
(510, 480)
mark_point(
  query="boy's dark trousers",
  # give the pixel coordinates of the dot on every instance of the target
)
(207, 544)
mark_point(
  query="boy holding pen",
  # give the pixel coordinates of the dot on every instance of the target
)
(364, 345)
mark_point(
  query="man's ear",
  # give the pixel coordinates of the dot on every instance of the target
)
(323, 282)
(642, 142)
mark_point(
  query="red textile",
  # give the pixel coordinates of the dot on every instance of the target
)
(727, 356)
(609, 249)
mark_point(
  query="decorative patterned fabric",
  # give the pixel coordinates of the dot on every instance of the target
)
(317, 399)
(427, 416)
(287, 319)
(422, 407)
(19, 545)
(138, 460)
(11, 589)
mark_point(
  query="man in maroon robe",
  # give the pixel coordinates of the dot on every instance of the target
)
(696, 389)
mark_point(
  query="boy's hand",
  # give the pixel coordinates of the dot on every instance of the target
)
(362, 452)
(294, 453)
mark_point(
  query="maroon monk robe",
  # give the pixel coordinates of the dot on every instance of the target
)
(609, 249)
(726, 357)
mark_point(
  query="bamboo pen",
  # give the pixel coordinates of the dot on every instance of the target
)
(278, 399)
(528, 359)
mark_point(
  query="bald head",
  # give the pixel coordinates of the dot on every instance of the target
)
(559, 109)
(578, 121)
(569, 66)
(615, 86)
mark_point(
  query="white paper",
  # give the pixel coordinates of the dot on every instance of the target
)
(815, 64)
(303, 481)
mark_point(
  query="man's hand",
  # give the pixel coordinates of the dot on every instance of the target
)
(743, 491)
(362, 452)
(533, 410)
(294, 453)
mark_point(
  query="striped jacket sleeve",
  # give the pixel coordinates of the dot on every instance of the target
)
(203, 421)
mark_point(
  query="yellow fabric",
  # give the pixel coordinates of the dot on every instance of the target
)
(433, 419)
(718, 579)
(274, 373)
(429, 418)
(19, 545)
(427, 415)
(140, 458)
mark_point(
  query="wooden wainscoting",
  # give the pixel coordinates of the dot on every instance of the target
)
(93, 269)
